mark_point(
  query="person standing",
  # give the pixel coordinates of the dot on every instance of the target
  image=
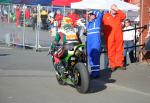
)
(27, 16)
(93, 28)
(34, 18)
(18, 14)
(58, 17)
(114, 37)
(44, 15)
(74, 16)
(128, 37)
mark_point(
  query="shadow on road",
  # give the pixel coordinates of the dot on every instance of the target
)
(4, 54)
(97, 85)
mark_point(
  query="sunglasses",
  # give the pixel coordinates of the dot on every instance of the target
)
(127, 22)
(90, 14)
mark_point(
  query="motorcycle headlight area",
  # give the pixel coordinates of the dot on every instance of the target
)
(72, 58)
(79, 51)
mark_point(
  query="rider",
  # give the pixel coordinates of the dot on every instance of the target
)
(64, 35)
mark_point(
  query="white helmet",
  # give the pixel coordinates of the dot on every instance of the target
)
(52, 14)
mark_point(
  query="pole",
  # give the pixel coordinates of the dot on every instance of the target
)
(64, 11)
(8, 13)
(135, 41)
(38, 27)
(24, 20)
(141, 23)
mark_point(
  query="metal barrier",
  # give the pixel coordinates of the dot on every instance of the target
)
(135, 28)
(135, 46)
(23, 35)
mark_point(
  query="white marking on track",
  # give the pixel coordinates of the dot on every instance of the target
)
(128, 89)
(5, 48)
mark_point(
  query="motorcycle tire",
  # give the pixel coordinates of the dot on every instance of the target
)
(82, 78)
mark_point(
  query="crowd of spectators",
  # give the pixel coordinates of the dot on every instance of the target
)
(30, 16)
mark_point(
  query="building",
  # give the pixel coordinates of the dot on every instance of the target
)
(145, 20)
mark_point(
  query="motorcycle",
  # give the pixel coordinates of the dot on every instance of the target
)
(72, 69)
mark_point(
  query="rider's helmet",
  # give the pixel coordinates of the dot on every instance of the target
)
(51, 14)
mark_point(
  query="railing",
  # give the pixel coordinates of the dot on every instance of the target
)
(135, 42)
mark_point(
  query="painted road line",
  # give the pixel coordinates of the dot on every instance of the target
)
(5, 48)
(128, 89)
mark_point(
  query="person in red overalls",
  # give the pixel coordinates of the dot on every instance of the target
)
(73, 16)
(58, 17)
(17, 16)
(114, 37)
(27, 16)
(27, 13)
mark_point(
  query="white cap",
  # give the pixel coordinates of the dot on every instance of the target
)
(52, 14)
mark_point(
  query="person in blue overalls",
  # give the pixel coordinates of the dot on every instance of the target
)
(93, 29)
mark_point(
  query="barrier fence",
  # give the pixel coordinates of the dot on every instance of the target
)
(24, 35)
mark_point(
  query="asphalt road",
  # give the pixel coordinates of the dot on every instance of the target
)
(27, 76)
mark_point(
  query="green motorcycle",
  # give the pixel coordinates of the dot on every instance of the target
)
(71, 69)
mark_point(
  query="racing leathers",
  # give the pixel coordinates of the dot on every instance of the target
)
(58, 45)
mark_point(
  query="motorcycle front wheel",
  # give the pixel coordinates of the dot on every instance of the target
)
(81, 76)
